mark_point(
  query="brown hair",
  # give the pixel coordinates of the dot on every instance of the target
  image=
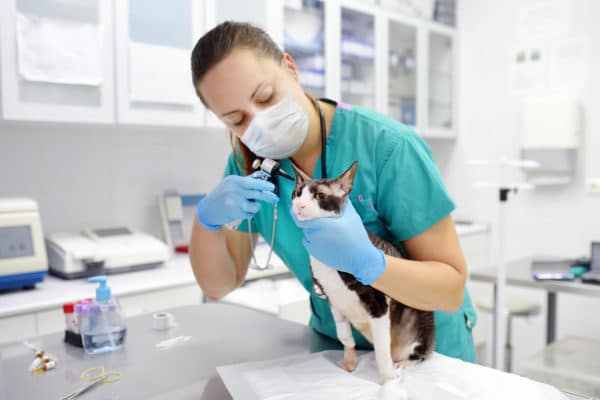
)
(217, 44)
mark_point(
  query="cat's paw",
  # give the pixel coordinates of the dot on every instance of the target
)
(393, 390)
(350, 360)
(387, 376)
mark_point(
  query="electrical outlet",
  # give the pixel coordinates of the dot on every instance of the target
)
(593, 185)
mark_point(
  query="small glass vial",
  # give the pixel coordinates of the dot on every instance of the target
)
(70, 318)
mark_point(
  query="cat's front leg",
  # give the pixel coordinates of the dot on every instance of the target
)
(344, 334)
(380, 328)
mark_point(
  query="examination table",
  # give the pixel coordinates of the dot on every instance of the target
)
(220, 334)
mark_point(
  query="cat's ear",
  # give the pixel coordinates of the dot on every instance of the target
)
(300, 175)
(345, 181)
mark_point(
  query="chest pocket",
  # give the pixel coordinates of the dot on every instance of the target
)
(365, 207)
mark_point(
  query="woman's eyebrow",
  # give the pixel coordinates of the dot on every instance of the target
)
(251, 97)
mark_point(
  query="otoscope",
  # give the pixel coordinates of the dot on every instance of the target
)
(268, 170)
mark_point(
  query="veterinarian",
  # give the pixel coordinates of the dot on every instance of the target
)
(241, 75)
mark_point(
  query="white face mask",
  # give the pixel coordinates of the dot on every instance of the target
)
(278, 131)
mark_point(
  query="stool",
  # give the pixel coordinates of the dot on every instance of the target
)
(514, 306)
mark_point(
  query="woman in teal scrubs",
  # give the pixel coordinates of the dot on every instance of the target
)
(241, 75)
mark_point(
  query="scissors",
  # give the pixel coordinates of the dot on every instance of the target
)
(94, 379)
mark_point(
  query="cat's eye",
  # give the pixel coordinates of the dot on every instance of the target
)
(319, 196)
(298, 193)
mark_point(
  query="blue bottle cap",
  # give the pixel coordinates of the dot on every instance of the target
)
(102, 291)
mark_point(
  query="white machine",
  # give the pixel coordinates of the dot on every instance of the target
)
(23, 261)
(103, 251)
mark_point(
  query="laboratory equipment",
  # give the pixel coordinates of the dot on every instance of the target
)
(171, 205)
(548, 268)
(101, 325)
(593, 276)
(23, 260)
(103, 251)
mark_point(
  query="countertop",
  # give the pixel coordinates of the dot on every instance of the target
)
(53, 291)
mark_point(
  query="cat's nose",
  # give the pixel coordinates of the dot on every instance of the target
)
(302, 206)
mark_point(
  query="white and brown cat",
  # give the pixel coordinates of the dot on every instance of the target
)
(399, 334)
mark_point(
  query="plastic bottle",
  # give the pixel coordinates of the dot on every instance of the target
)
(102, 327)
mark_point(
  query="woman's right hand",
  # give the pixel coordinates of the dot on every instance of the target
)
(234, 198)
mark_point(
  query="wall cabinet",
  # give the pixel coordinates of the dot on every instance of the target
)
(354, 51)
(57, 60)
(153, 43)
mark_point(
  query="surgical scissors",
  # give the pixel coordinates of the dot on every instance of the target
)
(95, 380)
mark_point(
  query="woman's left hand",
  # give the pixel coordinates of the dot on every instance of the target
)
(342, 243)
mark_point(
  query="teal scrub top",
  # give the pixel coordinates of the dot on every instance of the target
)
(398, 192)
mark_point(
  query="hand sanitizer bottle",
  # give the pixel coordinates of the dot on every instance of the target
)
(102, 327)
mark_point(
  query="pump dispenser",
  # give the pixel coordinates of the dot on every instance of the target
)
(102, 291)
(102, 327)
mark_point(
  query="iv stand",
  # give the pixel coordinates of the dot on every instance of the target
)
(498, 355)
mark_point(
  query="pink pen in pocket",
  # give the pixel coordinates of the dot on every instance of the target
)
(361, 198)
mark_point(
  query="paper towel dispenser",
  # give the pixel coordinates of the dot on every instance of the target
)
(550, 135)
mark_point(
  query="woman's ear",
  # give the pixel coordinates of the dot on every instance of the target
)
(290, 65)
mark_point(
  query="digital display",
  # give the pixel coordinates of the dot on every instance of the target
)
(16, 241)
(111, 232)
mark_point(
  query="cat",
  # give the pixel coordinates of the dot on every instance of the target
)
(400, 334)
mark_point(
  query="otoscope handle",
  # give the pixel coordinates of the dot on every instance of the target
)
(265, 176)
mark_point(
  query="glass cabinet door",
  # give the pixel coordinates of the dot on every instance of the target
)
(358, 58)
(57, 60)
(154, 42)
(440, 102)
(304, 40)
(402, 73)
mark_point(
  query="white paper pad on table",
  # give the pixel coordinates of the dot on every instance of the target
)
(316, 376)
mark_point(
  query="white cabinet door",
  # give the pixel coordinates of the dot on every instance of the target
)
(57, 60)
(440, 94)
(358, 50)
(17, 327)
(304, 40)
(266, 14)
(154, 40)
(402, 71)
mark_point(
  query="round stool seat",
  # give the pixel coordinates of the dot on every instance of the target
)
(514, 305)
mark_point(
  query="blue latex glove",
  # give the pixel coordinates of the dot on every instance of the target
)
(342, 243)
(234, 198)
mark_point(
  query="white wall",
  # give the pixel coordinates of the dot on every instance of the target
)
(99, 176)
(554, 221)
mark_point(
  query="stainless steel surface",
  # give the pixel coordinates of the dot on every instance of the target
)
(220, 334)
(518, 273)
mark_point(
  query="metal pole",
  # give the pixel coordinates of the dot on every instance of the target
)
(499, 326)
